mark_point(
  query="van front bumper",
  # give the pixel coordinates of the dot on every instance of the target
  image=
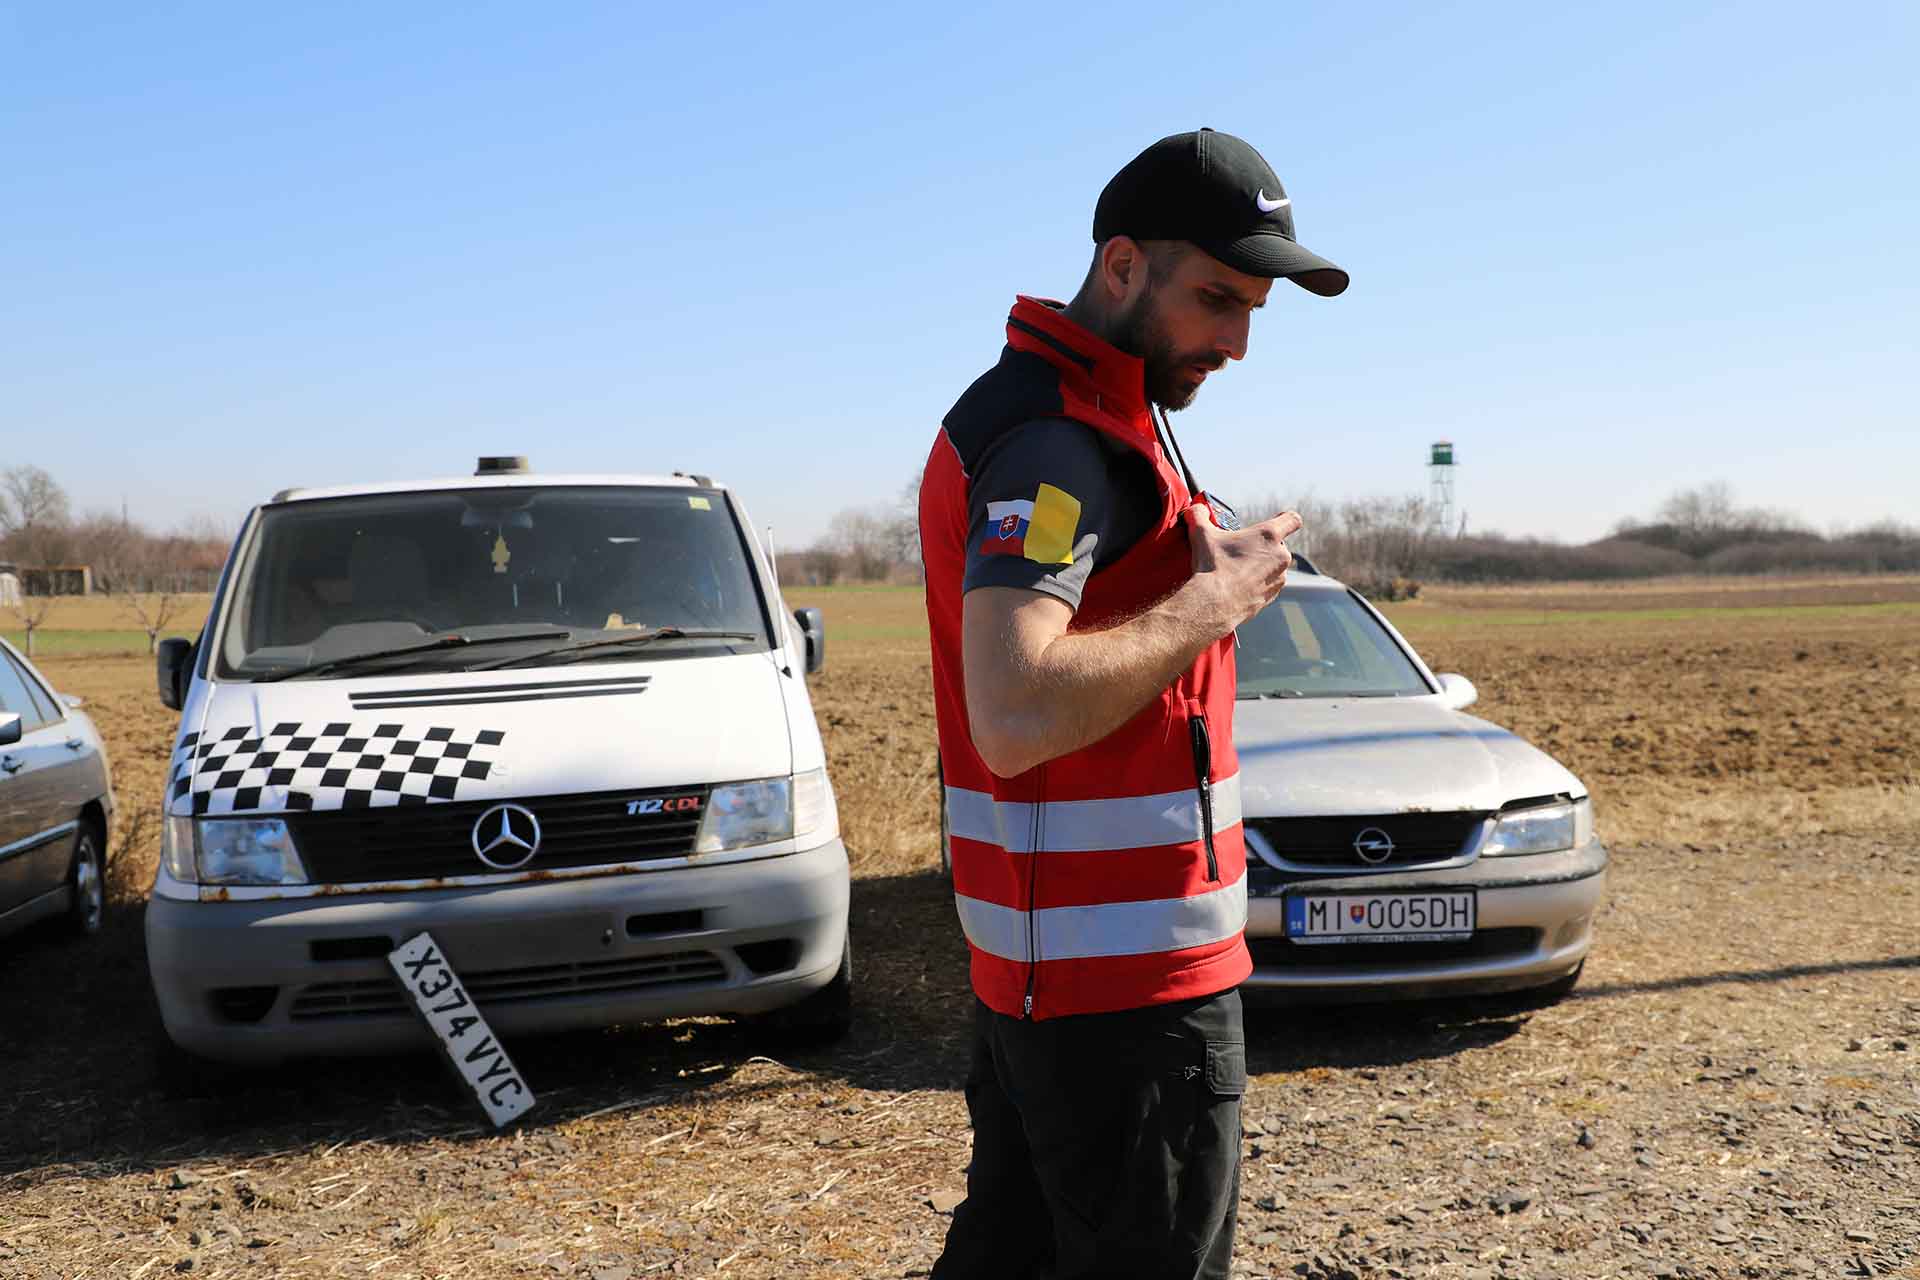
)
(260, 981)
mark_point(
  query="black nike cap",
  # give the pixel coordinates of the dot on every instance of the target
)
(1216, 191)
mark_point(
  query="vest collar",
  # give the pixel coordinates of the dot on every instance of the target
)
(1120, 380)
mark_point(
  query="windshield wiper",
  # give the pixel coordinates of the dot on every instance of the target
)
(455, 640)
(1272, 693)
(584, 646)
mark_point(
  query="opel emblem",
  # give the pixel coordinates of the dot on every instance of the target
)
(506, 837)
(1373, 845)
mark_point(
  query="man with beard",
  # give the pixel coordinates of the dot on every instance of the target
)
(1082, 592)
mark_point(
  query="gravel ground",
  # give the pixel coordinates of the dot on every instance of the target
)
(1734, 1091)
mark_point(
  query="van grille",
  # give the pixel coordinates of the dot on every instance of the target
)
(431, 841)
(371, 997)
(1329, 842)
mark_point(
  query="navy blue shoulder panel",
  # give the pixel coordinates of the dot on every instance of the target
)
(1021, 388)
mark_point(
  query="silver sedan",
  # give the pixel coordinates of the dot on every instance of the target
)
(1396, 846)
(56, 801)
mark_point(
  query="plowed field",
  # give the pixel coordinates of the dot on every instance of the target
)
(1733, 1091)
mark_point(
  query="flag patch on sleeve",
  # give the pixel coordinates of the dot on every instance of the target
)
(1041, 530)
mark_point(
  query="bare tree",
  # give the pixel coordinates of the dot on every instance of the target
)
(33, 512)
(101, 539)
(866, 543)
(1697, 512)
(145, 580)
(31, 613)
(906, 526)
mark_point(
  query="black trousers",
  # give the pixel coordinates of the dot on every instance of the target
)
(1104, 1145)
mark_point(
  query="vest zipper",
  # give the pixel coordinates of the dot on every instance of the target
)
(1203, 781)
(1035, 829)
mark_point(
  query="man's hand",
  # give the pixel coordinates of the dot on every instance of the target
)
(1241, 570)
(1037, 690)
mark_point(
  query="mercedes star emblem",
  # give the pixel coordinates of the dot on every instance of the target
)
(1373, 845)
(506, 837)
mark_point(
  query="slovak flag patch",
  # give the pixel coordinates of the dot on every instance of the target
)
(1007, 525)
(1041, 530)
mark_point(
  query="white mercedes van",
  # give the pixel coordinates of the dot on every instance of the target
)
(560, 722)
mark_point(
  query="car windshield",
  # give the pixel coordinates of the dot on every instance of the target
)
(455, 578)
(1322, 644)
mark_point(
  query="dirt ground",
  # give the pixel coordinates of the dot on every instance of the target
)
(1733, 1091)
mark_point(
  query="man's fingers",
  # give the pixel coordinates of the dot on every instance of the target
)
(1199, 514)
(1285, 525)
(1201, 530)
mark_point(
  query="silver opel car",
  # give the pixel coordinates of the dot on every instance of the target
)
(1396, 846)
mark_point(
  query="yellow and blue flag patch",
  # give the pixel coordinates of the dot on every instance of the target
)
(1041, 530)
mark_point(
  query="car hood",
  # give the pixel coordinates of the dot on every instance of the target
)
(435, 736)
(1347, 756)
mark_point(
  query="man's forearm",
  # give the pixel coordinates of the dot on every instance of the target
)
(1074, 689)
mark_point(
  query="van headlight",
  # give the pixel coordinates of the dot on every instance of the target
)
(743, 814)
(238, 851)
(1546, 828)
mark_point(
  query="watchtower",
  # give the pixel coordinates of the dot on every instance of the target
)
(1440, 487)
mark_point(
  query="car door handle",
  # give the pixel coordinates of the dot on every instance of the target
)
(12, 764)
(76, 744)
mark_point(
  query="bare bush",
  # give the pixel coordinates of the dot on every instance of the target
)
(31, 613)
(812, 567)
(863, 544)
(146, 582)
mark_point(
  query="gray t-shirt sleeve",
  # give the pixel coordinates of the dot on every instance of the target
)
(1040, 506)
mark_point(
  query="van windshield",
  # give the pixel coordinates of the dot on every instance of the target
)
(454, 578)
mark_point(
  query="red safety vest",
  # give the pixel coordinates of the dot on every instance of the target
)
(1113, 877)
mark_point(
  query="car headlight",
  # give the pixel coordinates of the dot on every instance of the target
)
(747, 813)
(742, 814)
(240, 851)
(1546, 828)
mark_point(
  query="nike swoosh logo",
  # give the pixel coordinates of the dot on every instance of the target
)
(1268, 206)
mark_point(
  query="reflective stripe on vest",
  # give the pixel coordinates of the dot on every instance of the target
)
(1110, 929)
(1089, 826)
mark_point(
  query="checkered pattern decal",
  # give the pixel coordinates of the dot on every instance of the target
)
(341, 765)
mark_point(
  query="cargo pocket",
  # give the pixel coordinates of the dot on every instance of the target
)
(1227, 1068)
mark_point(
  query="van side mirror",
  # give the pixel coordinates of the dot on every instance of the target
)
(173, 667)
(813, 627)
(9, 728)
(1457, 692)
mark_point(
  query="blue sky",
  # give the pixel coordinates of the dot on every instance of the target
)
(1611, 251)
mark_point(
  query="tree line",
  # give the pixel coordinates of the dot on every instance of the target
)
(1386, 545)
(1380, 545)
(147, 572)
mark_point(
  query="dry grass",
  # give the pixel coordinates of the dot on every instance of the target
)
(107, 613)
(1708, 591)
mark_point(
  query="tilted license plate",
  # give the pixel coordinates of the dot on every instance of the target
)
(1381, 917)
(462, 1033)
